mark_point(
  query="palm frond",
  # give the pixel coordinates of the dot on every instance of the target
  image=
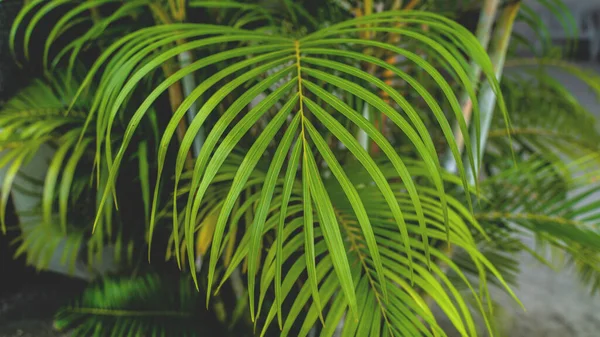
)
(396, 303)
(75, 17)
(557, 11)
(318, 179)
(402, 311)
(556, 208)
(37, 116)
(547, 120)
(302, 65)
(83, 23)
(40, 245)
(145, 305)
(39, 119)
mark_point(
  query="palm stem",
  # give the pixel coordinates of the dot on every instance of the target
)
(368, 7)
(177, 8)
(176, 92)
(175, 99)
(189, 84)
(487, 96)
(483, 33)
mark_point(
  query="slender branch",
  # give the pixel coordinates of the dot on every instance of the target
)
(177, 8)
(95, 14)
(176, 95)
(356, 247)
(483, 33)
(412, 4)
(162, 16)
(175, 99)
(487, 95)
(368, 7)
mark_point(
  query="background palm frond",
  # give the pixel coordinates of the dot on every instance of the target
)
(554, 207)
(40, 244)
(547, 121)
(29, 123)
(139, 305)
(42, 119)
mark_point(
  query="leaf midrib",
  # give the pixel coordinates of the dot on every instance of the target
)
(356, 247)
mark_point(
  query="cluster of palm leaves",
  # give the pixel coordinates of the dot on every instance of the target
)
(286, 156)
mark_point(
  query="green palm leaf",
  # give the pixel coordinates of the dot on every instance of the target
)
(286, 257)
(294, 69)
(38, 121)
(30, 120)
(396, 266)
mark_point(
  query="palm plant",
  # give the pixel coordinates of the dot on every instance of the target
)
(332, 167)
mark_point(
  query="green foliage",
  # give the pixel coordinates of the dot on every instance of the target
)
(34, 117)
(547, 120)
(39, 118)
(317, 197)
(145, 305)
(555, 208)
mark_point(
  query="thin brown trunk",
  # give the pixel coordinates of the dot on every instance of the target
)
(175, 90)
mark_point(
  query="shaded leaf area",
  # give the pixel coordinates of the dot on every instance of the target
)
(39, 121)
(533, 17)
(536, 15)
(101, 22)
(142, 305)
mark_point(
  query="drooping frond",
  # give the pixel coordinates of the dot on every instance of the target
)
(535, 16)
(235, 13)
(40, 245)
(82, 24)
(76, 22)
(279, 16)
(540, 17)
